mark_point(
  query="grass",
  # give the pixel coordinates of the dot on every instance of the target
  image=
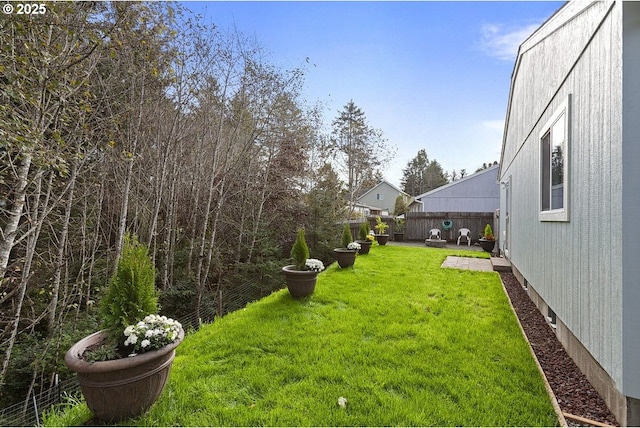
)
(405, 342)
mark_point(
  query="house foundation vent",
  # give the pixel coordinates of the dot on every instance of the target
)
(551, 317)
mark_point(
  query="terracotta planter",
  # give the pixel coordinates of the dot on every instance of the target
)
(344, 257)
(365, 246)
(121, 389)
(487, 244)
(301, 283)
(382, 239)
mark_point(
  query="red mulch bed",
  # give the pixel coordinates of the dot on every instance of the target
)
(573, 391)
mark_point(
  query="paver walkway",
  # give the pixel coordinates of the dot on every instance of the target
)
(467, 263)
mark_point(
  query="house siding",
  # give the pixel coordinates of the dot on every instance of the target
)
(630, 201)
(389, 194)
(578, 267)
(477, 193)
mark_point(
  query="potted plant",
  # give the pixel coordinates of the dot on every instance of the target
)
(488, 241)
(381, 227)
(346, 255)
(365, 238)
(398, 233)
(301, 276)
(123, 368)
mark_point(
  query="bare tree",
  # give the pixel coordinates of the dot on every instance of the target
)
(358, 150)
(45, 68)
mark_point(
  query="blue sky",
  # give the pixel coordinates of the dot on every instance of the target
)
(431, 75)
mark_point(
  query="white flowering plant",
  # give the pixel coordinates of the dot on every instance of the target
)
(314, 265)
(152, 333)
(342, 402)
(353, 246)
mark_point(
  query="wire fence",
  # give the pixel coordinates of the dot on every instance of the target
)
(29, 412)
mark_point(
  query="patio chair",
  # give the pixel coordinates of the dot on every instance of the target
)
(435, 234)
(464, 233)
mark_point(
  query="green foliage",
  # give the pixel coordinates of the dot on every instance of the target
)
(422, 174)
(363, 231)
(488, 233)
(360, 149)
(71, 412)
(300, 250)
(131, 294)
(178, 300)
(404, 346)
(487, 166)
(325, 208)
(347, 237)
(399, 224)
(35, 352)
(381, 226)
(104, 351)
(400, 206)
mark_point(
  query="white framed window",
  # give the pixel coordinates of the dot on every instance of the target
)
(554, 165)
(380, 196)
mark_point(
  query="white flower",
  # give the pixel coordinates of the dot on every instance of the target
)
(314, 265)
(131, 340)
(157, 331)
(353, 246)
(342, 402)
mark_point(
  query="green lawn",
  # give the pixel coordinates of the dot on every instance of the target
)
(405, 342)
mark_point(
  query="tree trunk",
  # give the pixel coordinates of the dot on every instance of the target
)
(11, 228)
(37, 218)
(62, 244)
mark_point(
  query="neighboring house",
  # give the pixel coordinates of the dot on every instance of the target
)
(570, 189)
(478, 192)
(382, 195)
(361, 210)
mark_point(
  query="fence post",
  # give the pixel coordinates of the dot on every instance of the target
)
(58, 390)
(35, 409)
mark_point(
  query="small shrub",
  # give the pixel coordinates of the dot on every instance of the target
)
(300, 250)
(488, 233)
(363, 231)
(131, 294)
(347, 237)
(381, 226)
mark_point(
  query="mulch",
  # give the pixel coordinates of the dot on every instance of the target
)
(574, 393)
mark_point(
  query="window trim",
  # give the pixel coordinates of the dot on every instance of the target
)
(559, 214)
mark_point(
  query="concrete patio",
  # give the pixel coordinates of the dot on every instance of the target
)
(498, 264)
(467, 263)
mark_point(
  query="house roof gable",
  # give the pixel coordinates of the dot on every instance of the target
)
(458, 182)
(380, 184)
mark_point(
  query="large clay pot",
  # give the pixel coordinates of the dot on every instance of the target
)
(365, 246)
(120, 389)
(344, 257)
(487, 244)
(301, 283)
(382, 239)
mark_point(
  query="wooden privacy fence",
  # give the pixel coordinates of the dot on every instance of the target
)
(354, 225)
(418, 224)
